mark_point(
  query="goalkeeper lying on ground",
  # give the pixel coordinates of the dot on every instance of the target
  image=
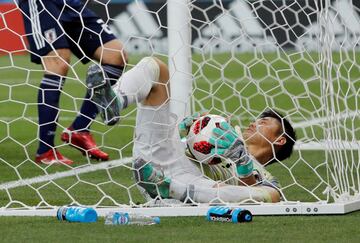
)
(160, 163)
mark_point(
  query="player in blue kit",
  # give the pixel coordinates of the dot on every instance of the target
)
(55, 30)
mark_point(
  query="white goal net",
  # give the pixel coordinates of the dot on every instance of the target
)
(235, 58)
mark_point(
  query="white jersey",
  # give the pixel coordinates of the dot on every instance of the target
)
(157, 141)
(226, 172)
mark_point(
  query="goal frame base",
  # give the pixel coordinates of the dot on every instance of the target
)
(282, 208)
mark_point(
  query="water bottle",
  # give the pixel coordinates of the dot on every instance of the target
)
(118, 218)
(226, 214)
(77, 214)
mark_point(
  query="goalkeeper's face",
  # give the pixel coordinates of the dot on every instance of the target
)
(264, 132)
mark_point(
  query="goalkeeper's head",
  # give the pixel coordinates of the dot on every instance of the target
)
(270, 138)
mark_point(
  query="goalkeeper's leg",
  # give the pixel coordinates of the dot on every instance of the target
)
(189, 187)
(146, 83)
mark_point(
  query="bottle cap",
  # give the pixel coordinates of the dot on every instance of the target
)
(90, 215)
(61, 212)
(156, 220)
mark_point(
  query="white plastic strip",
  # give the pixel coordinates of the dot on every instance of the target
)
(295, 208)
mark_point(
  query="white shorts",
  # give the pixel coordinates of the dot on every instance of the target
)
(157, 140)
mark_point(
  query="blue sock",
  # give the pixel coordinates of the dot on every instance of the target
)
(112, 72)
(48, 103)
(89, 110)
(87, 113)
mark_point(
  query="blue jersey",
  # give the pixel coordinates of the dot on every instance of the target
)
(71, 3)
(57, 24)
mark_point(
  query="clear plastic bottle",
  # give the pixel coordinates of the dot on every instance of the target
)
(119, 218)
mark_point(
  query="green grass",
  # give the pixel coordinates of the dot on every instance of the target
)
(240, 86)
(186, 229)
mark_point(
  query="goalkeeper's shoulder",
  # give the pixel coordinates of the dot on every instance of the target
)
(263, 176)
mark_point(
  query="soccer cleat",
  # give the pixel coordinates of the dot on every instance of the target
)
(103, 95)
(52, 156)
(151, 179)
(84, 142)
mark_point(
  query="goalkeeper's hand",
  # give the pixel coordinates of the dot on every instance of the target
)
(227, 143)
(185, 124)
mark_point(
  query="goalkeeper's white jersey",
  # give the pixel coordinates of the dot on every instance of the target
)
(226, 172)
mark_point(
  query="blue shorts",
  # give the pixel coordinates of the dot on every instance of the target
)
(50, 25)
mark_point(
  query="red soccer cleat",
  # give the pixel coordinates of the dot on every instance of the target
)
(84, 142)
(50, 157)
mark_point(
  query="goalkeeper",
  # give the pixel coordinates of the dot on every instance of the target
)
(55, 30)
(161, 166)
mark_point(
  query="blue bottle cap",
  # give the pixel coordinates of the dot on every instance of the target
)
(90, 215)
(156, 220)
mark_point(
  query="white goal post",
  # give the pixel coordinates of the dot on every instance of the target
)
(235, 58)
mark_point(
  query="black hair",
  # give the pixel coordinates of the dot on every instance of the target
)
(284, 151)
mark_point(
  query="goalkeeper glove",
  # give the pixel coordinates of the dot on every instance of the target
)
(227, 143)
(185, 124)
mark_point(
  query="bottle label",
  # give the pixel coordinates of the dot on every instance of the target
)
(61, 213)
(220, 214)
(220, 218)
(121, 218)
(226, 214)
(76, 214)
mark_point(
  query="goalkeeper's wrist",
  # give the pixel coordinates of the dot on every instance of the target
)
(245, 169)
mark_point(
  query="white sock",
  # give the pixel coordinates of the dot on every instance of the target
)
(135, 85)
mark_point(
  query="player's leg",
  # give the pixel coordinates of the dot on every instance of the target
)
(50, 49)
(192, 186)
(187, 187)
(98, 43)
(146, 83)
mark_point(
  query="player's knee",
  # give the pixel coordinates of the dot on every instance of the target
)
(156, 68)
(157, 73)
(57, 67)
(112, 53)
(57, 62)
(63, 67)
(151, 68)
(164, 71)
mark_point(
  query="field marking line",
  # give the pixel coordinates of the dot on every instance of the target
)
(60, 175)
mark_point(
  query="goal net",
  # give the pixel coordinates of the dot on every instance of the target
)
(235, 58)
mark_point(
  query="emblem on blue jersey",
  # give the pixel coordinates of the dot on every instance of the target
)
(50, 35)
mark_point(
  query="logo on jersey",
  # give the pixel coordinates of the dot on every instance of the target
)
(50, 35)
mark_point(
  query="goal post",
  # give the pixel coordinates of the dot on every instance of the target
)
(231, 57)
(179, 59)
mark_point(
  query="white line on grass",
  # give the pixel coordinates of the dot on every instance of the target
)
(60, 175)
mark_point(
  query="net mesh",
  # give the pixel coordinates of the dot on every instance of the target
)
(300, 58)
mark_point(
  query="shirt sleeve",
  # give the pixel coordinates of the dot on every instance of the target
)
(264, 177)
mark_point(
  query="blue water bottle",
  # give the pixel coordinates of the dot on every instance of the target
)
(77, 214)
(226, 214)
